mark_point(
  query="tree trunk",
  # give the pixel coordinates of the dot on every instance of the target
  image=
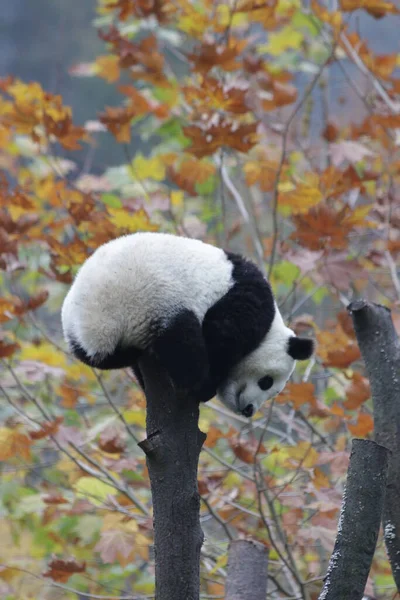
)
(172, 449)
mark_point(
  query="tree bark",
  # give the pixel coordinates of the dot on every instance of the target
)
(380, 349)
(172, 450)
(247, 571)
(359, 522)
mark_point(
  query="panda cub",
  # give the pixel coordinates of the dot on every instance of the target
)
(207, 315)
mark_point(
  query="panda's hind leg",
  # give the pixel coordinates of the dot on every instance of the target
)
(181, 349)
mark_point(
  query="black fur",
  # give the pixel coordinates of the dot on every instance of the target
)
(238, 322)
(121, 358)
(300, 348)
(180, 348)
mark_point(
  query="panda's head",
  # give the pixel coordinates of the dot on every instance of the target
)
(264, 373)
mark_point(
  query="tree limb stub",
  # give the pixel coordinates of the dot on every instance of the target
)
(247, 571)
(172, 451)
(380, 349)
(359, 522)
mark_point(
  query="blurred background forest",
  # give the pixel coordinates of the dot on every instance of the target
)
(268, 127)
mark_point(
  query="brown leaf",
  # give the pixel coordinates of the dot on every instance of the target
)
(112, 441)
(116, 545)
(209, 137)
(211, 54)
(61, 570)
(55, 499)
(48, 428)
(246, 450)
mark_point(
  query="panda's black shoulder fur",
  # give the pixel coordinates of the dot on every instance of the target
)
(238, 322)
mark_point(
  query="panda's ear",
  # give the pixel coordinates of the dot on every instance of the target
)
(300, 348)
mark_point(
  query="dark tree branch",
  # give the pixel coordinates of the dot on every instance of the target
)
(247, 571)
(359, 522)
(172, 449)
(380, 349)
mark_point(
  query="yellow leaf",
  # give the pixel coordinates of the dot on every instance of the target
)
(108, 68)
(93, 490)
(139, 220)
(14, 443)
(303, 454)
(177, 199)
(227, 18)
(301, 199)
(135, 417)
(285, 39)
(45, 353)
(148, 168)
(220, 563)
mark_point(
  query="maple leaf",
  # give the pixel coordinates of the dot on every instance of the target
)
(299, 394)
(263, 172)
(142, 58)
(112, 441)
(334, 18)
(246, 450)
(108, 68)
(118, 121)
(211, 54)
(357, 392)
(348, 151)
(376, 8)
(208, 138)
(137, 221)
(60, 569)
(340, 271)
(211, 94)
(47, 429)
(363, 426)
(14, 443)
(381, 65)
(336, 349)
(116, 546)
(324, 226)
(301, 198)
(162, 10)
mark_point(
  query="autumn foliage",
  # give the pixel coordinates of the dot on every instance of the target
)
(249, 150)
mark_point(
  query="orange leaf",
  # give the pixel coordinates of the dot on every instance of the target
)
(364, 425)
(357, 392)
(61, 570)
(14, 443)
(299, 394)
(376, 8)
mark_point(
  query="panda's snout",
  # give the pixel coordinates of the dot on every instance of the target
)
(248, 411)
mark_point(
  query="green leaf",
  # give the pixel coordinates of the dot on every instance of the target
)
(111, 200)
(207, 187)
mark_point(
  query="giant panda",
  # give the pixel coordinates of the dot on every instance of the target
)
(207, 315)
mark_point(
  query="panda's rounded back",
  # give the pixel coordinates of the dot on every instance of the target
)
(130, 281)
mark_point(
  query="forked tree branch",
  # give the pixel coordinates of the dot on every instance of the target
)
(172, 451)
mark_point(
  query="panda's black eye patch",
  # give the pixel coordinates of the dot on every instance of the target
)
(265, 383)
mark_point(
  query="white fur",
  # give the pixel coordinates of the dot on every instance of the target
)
(160, 273)
(270, 358)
